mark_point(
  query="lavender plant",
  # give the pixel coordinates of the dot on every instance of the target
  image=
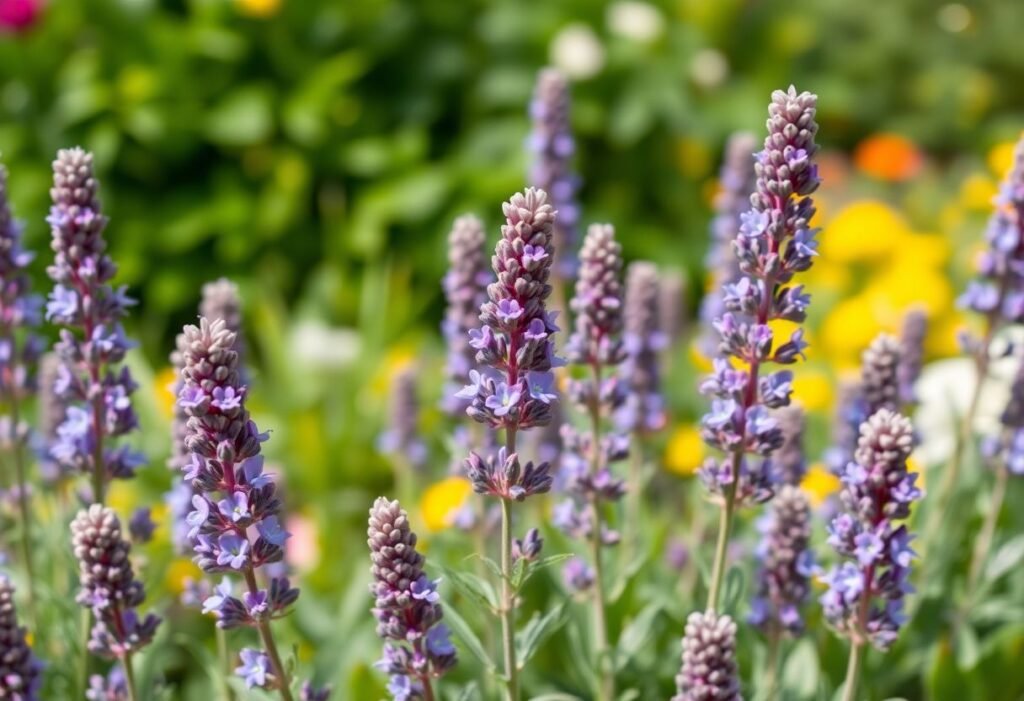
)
(773, 243)
(997, 295)
(866, 591)
(709, 671)
(672, 313)
(92, 346)
(20, 671)
(235, 522)
(912, 335)
(19, 351)
(552, 144)
(596, 345)
(417, 646)
(110, 590)
(402, 440)
(513, 389)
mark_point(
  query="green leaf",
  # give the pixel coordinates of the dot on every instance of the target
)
(464, 633)
(542, 564)
(243, 117)
(469, 693)
(967, 653)
(735, 582)
(636, 634)
(1006, 558)
(800, 670)
(537, 630)
(477, 590)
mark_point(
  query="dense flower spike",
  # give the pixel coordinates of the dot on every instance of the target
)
(1008, 446)
(417, 647)
(92, 343)
(736, 182)
(552, 145)
(789, 462)
(20, 671)
(785, 563)
(773, 243)
(866, 591)
(912, 336)
(109, 586)
(234, 523)
(999, 292)
(879, 375)
(709, 671)
(465, 290)
(672, 313)
(220, 300)
(597, 304)
(643, 409)
(51, 410)
(402, 438)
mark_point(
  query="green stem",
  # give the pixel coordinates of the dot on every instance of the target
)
(507, 603)
(270, 645)
(853, 671)
(83, 648)
(724, 529)
(988, 530)
(771, 677)
(129, 677)
(23, 508)
(606, 688)
(634, 500)
(225, 664)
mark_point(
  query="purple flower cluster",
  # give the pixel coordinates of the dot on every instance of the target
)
(402, 439)
(785, 563)
(50, 413)
(672, 312)
(866, 591)
(642, 410)
(736, 182)
(999, 291)
(19, 310)
(552, 145)
(92, 343)
(789, 462)
(596, 344)
(20, 671)
(109, 586)
(709, 671)
(220, 300)
(912, 336)
(515, 388)
(774, 242)
(112, 687)
(417, 644)
(465, 290)
(1009, 445)
(234, 523)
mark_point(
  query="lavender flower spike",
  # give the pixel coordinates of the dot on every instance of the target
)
(465, 289)
(552, 145)
(773, 244)
(643, 409)
(20, 671)
(235, 521)
(789, 462)
(785, 564)
(866, 591)
(912, 337)
(92, 343)
(402, 439)
(417, 644)
(709, 671)
(110, 589)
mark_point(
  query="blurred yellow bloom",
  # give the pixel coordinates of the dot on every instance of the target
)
(258, 8)
(693, 157)
(914, 466)
(163, 385)
(951, 217)
(123, 497)
(395, 360)
(685, 449)
(848, 329)
(864, 230)
(902, 286)
(442, 501)
(828, 276)
(922, 249)
(813, 390)
(180, 570)
(819, 484)
(699, 361)
(888, 157)
(1000, 158)
(782, 330)
(941, 341)
(977, 192)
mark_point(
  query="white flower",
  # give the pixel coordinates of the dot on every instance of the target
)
(634, 20)
(577, 51)
(709, 69)
(321, 346)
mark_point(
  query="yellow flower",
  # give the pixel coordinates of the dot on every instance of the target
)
(827, 276)
(902, 286)
(819, 484)
(783, 329)
(178, 571)
(863, 231)
(914, 466)
(699, 361)
(258, 8)
(122, 497)
(813, 390)
(941, 341)
(977, 192)
(163, 385)
(693, 157)
(442, 501)
(1000, 158)
(848, 329)
(685, 450)
(396, 360)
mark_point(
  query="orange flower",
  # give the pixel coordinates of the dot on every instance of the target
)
(888, 157)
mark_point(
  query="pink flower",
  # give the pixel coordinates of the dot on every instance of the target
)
(18, 15)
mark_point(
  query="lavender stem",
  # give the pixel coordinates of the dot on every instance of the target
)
(507, 603)
(853, 667)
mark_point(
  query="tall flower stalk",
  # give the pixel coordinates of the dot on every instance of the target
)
(774, 242)
(92, 346)
(513, 389)
(110, 590)
(20, 671)
(998, 296)
(866, 590)
(418, 648)
(20, 312)
(596, 345)
(235, 522)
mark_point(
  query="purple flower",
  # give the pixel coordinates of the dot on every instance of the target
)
(255, 668)
(22, 671)
(221, 593)
(233, 551)
(709, 669)
(235, 507)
